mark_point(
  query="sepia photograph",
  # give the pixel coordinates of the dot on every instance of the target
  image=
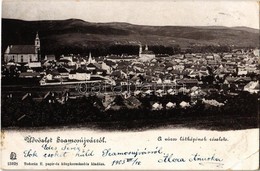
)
(130, 67)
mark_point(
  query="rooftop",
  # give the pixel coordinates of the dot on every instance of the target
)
(22, 49)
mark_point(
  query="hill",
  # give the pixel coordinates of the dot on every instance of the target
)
(74, 35)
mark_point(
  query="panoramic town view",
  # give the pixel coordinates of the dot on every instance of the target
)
(133, 84)
(121, 76)
(204, 86)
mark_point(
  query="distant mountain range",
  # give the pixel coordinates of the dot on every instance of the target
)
(79, 34)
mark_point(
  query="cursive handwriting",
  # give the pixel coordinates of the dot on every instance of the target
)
(201, 160)
(198, 158)
(30, 153)
(109, 152)
(170, 158)
(78, 147)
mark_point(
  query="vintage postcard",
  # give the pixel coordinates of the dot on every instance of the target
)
(133, 84)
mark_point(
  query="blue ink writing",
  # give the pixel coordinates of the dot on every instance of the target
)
(30, 153)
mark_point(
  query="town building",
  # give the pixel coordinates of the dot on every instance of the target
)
(145, 55)
(23, 53)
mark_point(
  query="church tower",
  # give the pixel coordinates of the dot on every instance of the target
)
(90, 59)
(146, 47)
(37, 47)
(37, 43)
(140, 50)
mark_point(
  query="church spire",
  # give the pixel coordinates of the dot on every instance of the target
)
(146, 47)
(90, 60)
(37, 42)
(140, 49)
(37, 46)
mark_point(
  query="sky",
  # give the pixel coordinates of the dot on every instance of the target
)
(143, 12)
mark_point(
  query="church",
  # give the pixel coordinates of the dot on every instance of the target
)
(23, 53)
(145, 55)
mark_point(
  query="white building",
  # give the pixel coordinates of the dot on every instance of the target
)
(23, 53)
(79, 75)
(145, 55)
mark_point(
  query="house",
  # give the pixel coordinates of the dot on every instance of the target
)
(183, 90)
(172, 91)
(148, 92)
(33, 65)
(242, 72)
(123, 57)
(187, 82)
(91, 67)
(184, 104)
(63, 72)
(216, 57)
(29, 75)
(237, 82)
(227, 56)
(79, 74)
(69, 57)
(137, 92)
(53, 74)
(118, 74)
(212, 102)
(106, 67)
(23, 53)
(212, 63)
(157, 106)
(250, 68)
(50, 57)
(47, 63)
(100, 71)
(66, 61)
(132, 102)
(111, 64)
(256, 52)
(252, 87)
(200, 74)
(167, 81)
(170, 105)
(187, 55)
(159, 81)
(179, 67)
(209, 57)
(94, 67)
(159, 92)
